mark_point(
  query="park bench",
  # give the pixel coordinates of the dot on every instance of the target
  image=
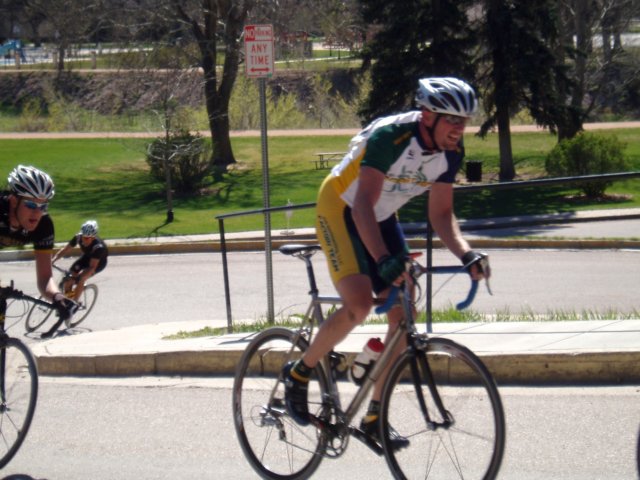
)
(325, 159)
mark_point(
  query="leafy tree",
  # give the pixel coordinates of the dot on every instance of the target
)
(521, 69)
(414, 39)
(211, 22)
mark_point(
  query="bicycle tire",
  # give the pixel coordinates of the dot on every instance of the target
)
(273, 443)
(38, 314)
(18, 395)
(473, 446)
(89, 298)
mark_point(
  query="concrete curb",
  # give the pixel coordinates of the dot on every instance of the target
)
(252, 241)
(258, 245)
(595, 367)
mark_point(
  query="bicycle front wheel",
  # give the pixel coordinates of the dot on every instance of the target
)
(472, 444)
(36, 317)
(18, 395)
(275, 445)
(88, 300)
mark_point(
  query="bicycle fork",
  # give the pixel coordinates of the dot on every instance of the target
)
(418, 363)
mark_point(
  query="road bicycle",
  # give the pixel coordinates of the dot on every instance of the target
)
(438, 394)
(39, 314)
(18, 380)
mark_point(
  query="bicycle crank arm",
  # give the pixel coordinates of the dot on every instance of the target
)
(367, 440)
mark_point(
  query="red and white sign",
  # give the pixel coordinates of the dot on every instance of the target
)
(258, 50)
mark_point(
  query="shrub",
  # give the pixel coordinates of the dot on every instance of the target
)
(187, 156)
(587, 154)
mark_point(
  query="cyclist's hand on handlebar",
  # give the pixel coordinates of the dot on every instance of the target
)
(477, 264)
(390, 268)
(65, 306)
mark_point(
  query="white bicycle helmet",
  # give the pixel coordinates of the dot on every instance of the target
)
(89, 228)
(447, 95)
(31, 182)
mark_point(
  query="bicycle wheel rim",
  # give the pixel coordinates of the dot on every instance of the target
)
(38, 314)
(89, 297)
(471, 448)
(273, 443)
(18, 396)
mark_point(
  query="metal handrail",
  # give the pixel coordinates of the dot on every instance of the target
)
(428, 230)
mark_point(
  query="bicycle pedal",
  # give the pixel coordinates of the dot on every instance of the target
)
(368, 441)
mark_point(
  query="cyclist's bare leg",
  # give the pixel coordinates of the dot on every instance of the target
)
(355, 291)
(68, 285)
(80, 281)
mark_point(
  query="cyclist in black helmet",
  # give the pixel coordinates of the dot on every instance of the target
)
(24, 219)
(93, 259)
(392, 160)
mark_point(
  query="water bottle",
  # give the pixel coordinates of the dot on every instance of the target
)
(365, 360)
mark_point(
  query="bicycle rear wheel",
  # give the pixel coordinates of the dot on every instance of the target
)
(473, 445)
(88, 300)
(36, 317)
(18, 395)
(275, 445)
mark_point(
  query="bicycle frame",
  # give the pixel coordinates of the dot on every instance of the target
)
(407, 328)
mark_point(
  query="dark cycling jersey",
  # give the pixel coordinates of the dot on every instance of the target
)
(42, 237)
(96, 249)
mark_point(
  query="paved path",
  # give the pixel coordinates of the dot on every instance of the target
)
(282, 133)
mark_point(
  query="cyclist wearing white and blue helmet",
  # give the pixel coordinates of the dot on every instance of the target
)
(24, 219)
(392, 160)
(93, 259)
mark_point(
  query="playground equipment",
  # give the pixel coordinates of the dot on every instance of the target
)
(10, 48)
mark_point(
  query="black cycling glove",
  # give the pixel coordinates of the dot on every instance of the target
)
(391, 267)
(476, 258)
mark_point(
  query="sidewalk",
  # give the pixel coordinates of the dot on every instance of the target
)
(606, 351)
(516, 353)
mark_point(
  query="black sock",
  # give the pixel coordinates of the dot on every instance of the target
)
(372, 412)
(300, 371)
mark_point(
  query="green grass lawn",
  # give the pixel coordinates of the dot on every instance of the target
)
(108, 179)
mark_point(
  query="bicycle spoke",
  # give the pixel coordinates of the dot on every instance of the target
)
(19, 394)
(472, 446)
(275, 445)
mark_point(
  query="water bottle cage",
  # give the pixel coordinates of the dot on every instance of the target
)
(366, 367)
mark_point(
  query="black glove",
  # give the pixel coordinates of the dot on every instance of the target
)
(476, 258)
(64, 306)
(391, 267)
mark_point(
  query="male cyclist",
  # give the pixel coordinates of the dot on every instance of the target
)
(392, 160)
(93, 258)
(24, 219)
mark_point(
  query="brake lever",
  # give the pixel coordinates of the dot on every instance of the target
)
(486, 269)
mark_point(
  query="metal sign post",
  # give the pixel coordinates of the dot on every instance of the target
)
(258, 42)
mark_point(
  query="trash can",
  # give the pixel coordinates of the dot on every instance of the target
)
(474, 171)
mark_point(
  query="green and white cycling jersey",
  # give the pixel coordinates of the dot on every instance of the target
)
(394, 146)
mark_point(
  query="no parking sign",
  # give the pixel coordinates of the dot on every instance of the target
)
(258, 50)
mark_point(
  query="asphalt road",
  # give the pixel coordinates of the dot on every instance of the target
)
(169, 428)
(146, 289)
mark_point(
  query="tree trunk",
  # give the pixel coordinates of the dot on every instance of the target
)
(507, 170)
(61, 50)
(224, 18)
